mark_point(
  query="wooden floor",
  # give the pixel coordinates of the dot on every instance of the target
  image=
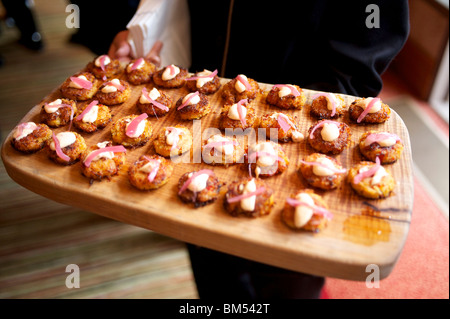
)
(38, 237)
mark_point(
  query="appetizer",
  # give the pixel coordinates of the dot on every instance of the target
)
(306, 210)
(386, 146)
(132, 130)
(371, 180)
(170, 77)
(329, 137)
(240, 88)
(286, 96)
(150, 172)
(280, 127)
(369, 111)
(114, 92)
(199, 187)
(102, 160)
(154, 103)
(327, 106)
(80, 87)
(266, 159)
(173, 141)
(30, 137)
(238, 115)
(140, 71)
(58, 112)
(206, 82)
(103, 67)
(92, 116)
(222, 150)
(249, 197)
(193, 106)
(322, 171)
(66, 148)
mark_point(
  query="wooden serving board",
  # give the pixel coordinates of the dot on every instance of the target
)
(362, 231)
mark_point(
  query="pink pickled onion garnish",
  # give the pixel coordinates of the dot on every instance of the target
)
(330, 98)
(320, 124)
(132, 127)
(241, 114)
(364, 113)
(157, 104)
(284, 122)
(318, 209)
(94, 154)
(369, 173)
(377, 137)
(86, 110)
(85, 84)
(238, 198)
(178, 132)
(293, 89)
(154, 171)
(188, 100)
(102, 62)
(172, 69)
(21, 127)
(136, 64)
(120, 87)
(333, 169)
(213, 74)
(241, 79)
(194, 175)
(58, 149)
(254, 155)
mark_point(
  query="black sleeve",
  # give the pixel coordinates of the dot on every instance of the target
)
(356, 55)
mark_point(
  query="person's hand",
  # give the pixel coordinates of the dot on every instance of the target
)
(120, 49)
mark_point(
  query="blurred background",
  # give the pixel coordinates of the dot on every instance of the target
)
(39, 237)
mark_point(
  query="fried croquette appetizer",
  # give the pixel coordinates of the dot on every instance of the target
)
(173, 141)
(103, 67)
(249, 197)
(80, 87)
(132, 130)
(281, 127)
(114, 92)
(91, 117)
(206, 82)
(222, 150)
(322, 171)
(200, 187)
(266, 159)
(306, 210)
(327, 106)
(170, 77)
(369, 111)
(154, 103)
(240, 88)
(329, 137)
(30, 137)
(150, 172)
(140, 71)
(286, 96)
(58, 112)
(371, 180)
(238, 115)
(386, 146)
(66, 148)
(102, 160)
(193, 106)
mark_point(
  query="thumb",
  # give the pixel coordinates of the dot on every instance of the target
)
(154, 54)
(123, 50)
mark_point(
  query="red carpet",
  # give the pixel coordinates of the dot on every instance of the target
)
(422, 271)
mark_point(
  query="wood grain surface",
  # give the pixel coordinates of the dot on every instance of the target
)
(362, 232)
